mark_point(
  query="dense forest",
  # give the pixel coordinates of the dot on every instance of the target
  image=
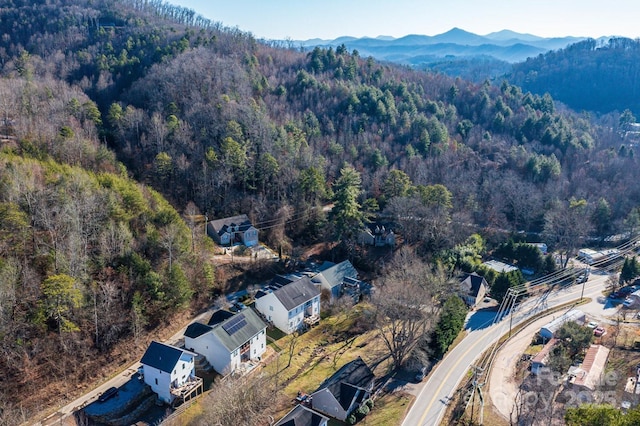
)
(118, 116)
(589, 75)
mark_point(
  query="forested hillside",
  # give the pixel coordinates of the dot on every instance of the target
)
(587, 75)
(101, 101)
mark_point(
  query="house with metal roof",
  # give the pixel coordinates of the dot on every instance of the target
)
(499, 267)
(549, 330)
(588, 375)
(229, 341)
(539, 362)
(345, 391)
(303, 416)
(231, 230)
(169, 371)
(292, 306)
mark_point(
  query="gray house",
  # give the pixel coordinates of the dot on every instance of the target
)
(302, 416)
(345, 391)
(232, 230)
(332, 277)
(473, 288)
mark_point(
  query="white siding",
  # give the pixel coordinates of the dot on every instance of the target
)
(213, 350)
(183, 370)
(269, 306)
(159, 381)
(259, 344)
(250, 237)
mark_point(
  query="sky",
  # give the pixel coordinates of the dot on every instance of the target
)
(329, 19)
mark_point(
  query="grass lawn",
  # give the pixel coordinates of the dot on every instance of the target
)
(389, 409)
(308, 359)
(533, 349)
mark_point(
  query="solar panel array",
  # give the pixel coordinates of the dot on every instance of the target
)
(234, 324)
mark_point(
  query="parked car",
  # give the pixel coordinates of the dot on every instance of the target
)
(628, 302)
(599, 331)
(625, 291)
(109, 393)
(592, 324)
(238, 306)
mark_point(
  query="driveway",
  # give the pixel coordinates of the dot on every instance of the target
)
(64, 415)
(502, 385)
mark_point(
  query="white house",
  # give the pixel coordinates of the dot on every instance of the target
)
(291, 306)
(229, 341)
(166, 369)
(231, 230)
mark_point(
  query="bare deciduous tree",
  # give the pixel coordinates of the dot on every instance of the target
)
(247, 400)
(407, 301)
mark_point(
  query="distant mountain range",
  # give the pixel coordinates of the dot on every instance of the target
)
(417, 50)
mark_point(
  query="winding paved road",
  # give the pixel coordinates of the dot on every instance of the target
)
(431, 403)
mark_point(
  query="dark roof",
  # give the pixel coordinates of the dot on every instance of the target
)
(471, 284)
(344, 383)
(296, 293)
(280, 280)
(219, 316)
(302, 416)
(162, 356)
(220, 226)
(196, 329)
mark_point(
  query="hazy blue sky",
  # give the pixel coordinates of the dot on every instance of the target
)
(304, 19)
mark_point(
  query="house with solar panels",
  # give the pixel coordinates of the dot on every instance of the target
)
(231, 230)
(169, 371)
(290, 306)
(229, 341)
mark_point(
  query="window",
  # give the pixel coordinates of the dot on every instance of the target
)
(262, 346)
(156, 380)
(183, 366)
(270, 308)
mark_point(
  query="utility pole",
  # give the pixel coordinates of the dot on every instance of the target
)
(584, 281)
(477, 389)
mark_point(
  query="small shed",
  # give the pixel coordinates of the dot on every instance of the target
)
(549, 330)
